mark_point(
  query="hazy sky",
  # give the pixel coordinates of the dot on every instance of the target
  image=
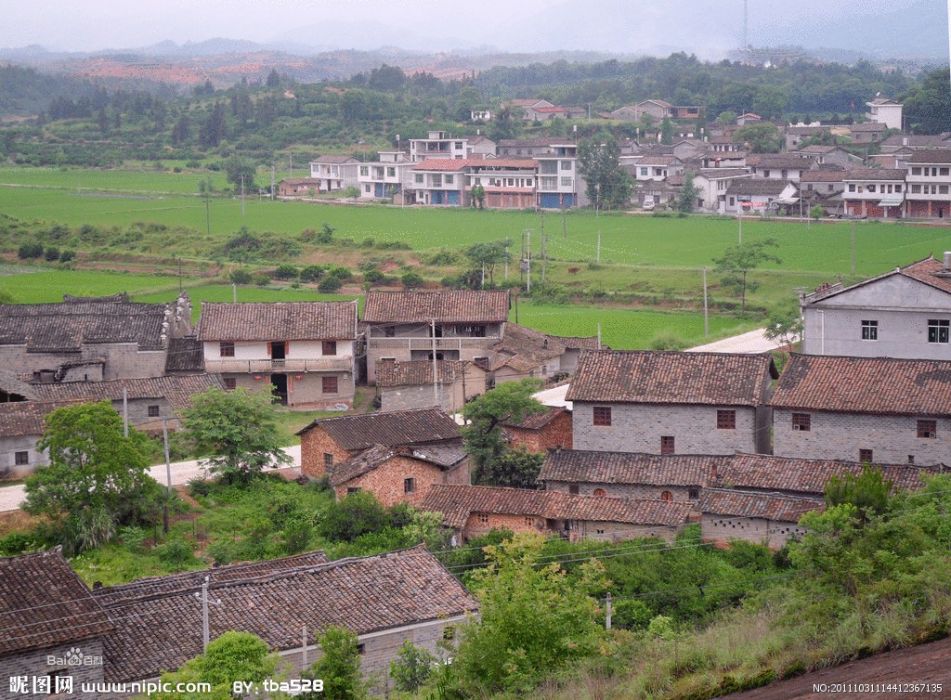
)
(704, 26)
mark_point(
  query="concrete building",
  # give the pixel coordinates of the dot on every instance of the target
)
(48, 615)
(759, 196)
(455, 324)
(560, 185)
(761, 518)
(712, 185)
(657, 167)
(386, 178)
(883, 110)
(508, 183)
(869, 410)
(787, 167)
(403, 386)
(88, 339)
(335, 172)
(471, 511)
(438, 145)
(830, 155)
(671, 402)
(874, 192)
(437, 182)
(301, 351)
(928, 189)
(867, 132)
(903, 313)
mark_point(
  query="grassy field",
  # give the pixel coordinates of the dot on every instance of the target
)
(131, 180)
(43, 285)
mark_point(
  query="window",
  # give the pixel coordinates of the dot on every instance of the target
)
(154, 411)
(366, 189)
(409, 485)
(600, 493)
(865, 456)
(566, 165)
(361, 649)
(693, 493)
(927, 428)
(328, 385)
(230, 383)
(602, 415)
(765, 173)
(916, 171)
(869, 330)
(364, 171)
(852, 188)
(666, 444)
(566, 182)
(418, 178)
(226, 349)
(871, 188)
(942, 189)
(471, 331)
(389, 332)
(726, 420)
(328, 460)
(938, 330)
(916, 189)
(353, 489)
(450, 179)
(897, 188)
(530, 521)
(391, 172)
(801, 421)
(573, 489)
(943, 172)
(644, 171)
(666, 496)
(21, 458)
(328, 347)
(911, 459)
(484, 519)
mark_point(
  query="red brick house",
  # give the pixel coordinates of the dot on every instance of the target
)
(401, 474)
(471, 511)
(326, 442)
(541, 432)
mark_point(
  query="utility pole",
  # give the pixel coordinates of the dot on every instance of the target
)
(168, 476)
(740, 219)
(207, 214)
(303, 648)
(599, 335)
(607, 611)
(234, 293)
(528, 286)
(273, 178)
(706, 316)
(125, 412)
(205, 627)
(544, 256)
(179, 275)
(435, 366)
(482, 286)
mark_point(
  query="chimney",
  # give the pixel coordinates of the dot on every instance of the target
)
(947, 261)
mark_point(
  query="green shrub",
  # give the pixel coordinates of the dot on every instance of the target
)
(412, 667)
(328, 285)
(175, 554)
(357, 514)
(411, 280)
(297, 534)
(241, 277)
(133, 538)
(67, 256)
(17, 543)
(340, 273)
(373, 276)
(285, 272)
(262, 279)
(666, 340)
(311, 273)
(199, 487)
(367, 243)
(29, 251)
(51, 254)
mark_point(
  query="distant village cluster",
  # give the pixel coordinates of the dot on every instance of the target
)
(867, 169)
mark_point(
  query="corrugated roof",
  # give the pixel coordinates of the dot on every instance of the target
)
(877, 385)
(283, 320)
(672, 378)
(447, 305)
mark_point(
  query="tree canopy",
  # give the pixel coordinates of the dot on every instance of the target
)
(738, 261)
(608, 185)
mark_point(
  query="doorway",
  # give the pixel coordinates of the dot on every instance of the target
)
(279, 388)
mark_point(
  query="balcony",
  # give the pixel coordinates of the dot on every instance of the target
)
(268, 366)
(425, 343)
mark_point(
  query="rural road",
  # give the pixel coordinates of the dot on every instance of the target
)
(182, 472)
(752, 342)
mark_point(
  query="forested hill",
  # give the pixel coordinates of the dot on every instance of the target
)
(26, 91)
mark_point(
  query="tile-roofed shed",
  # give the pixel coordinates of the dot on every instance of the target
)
(875, 385)
(672, 378)
(746, 504)
(283, 320)
(457, 502)
(177, 390)
(365, 595)
(43, 603)
(448, 305)
(390, 429)
(185, 355)
(591, 466)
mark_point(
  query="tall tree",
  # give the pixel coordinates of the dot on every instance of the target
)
(738, 261)
(666, 131)
(608, 185)
(762, 138)
(338, 666)
(214, 129)
(240, 172)
(687, 198)
(928, 104)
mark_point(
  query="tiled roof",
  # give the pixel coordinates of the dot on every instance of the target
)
(755, 471)
(592, 466)
(867, 126)
(27, 418)
(457, 502)
(877, 385)
(537, 421)
(43, 603)
(283, 320)
(456, 164)
(672, 378)
(806, 130)
(185, 355)
(917, 140)
(747, 504)
(443, 455)
(931, 155)
(578, 342)
(156, 633)
(790, 161)
(337, 160)
(533, 143)
(178, 390)
(875, 174)
(658, 160)
(523, 349)
(823, 175)
(723, 173)
(390, 429)
(10, 383)
(390, 373)
(67, 326)
(296, 181)
(757, 187)
(447, 305)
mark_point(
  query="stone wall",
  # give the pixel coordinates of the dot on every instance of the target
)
(618, 532)
(123, 360)
(634, 491)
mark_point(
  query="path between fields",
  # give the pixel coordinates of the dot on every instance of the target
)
(747, 343)
(182, 472)
(927, 663)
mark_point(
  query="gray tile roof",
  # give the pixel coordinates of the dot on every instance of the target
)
(756, 187)
(443, 455)
(391, 428)
(178, 390)
(746, 504)
(448, 305)
(590, 466)
(391, 373)
(185, 355)
(283, 320)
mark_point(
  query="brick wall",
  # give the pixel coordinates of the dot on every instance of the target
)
(556, 434)
(639, 427)
(841, 435)
(33, 663)
(313, 445)
(386, 482)
(481, 523)
(721, 530)
(9, 446)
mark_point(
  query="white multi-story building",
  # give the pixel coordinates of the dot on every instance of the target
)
(334, 173)
(875, 192)
(559, 186)
(928, 176)
(385, 178)
(885, 111)
(437, 145)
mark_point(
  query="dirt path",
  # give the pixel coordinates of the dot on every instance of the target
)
(924, 664)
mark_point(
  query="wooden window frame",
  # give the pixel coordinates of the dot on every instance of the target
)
(324, 383)
(154, 411)
(866, 456)
(21, 458)
(409, 485)
(231, 383)
(802, 422)
(927, 428)
(726, 419)
(601, 416)
(226, 348)
(328, 347)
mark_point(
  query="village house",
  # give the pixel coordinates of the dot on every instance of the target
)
(875, 192)
(403, 386)
(472, 511)
(630, 475)
(326, 442)
(724, 144)
(795, 136)
(412, 325)
(883, 110)
(748, 118)
(560, 184)
(298, 187)
(386, 600)
(712, 185)
(657, 167)
(830, 155)
(149, 402)
(724, 159)
(928, 190)
(526, 148)
(787, 167)
(401, 474)
(385, 178)
(480, 115)
(334, 173)
(867, 132)
(437, 181)
(746, 195)
(438, 145)
(769, 519)
(89, 339)
(21, 426)
(185, 356)
(507, 183)
(47, 613)
(671, 402)
(904, 313)
(526, 106)
(301, 351)
(522, 353)
(540, 432)
(870, 410)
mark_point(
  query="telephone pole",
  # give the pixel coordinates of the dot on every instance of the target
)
(168, 476)
(435, 365)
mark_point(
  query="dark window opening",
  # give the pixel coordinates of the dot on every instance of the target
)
(226, 349)
(869, 330)
(328, 460)
(409, 485)
(726, 420)
(21, 458)
(328, 347)
(801, 421)
(602, 415)
(693, 493)
(938, 330)
(927, 428)
(667, 444)
(278, 351)
(573, 489)
(328, 385)
(230, 383)
(865, 456)
(153, 411)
